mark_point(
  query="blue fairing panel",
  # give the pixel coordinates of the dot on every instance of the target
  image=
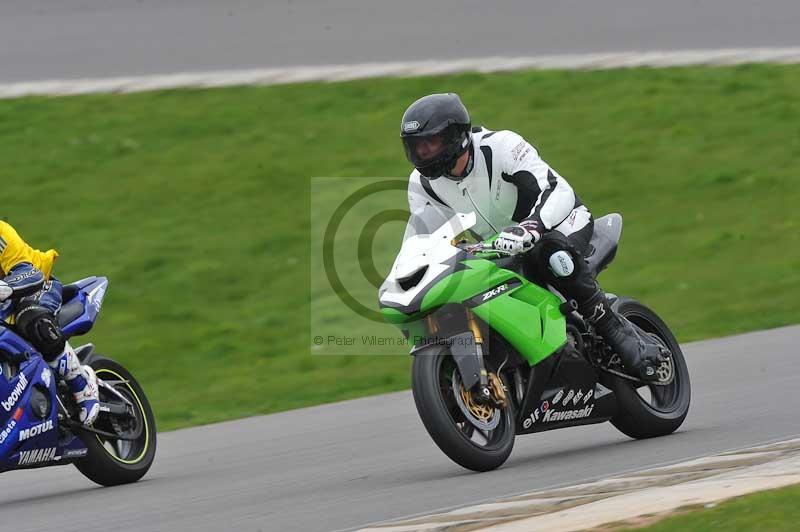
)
(84, 307)
(29, 436)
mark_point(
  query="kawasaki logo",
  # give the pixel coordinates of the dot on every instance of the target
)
(556, 415)
(35, 456)
(35, 430)
(564, 415)
(9, 403)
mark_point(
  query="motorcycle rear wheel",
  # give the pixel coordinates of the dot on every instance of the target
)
(649, 411)
(111, 462)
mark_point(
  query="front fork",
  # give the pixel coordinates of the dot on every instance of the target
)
(466, 348)
(467, 351)
(484, 392)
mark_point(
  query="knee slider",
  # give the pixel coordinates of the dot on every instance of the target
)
(558, 253)
(561, 264)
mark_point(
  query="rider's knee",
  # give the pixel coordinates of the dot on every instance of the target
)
(39, 325)
(557, 257)
(50, 295)
(561, 264)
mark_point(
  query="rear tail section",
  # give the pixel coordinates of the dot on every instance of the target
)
(82, 303)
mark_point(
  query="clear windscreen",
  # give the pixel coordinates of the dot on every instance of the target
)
(447, 230)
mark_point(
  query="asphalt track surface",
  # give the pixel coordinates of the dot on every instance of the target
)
(348, 464)
(68, 39)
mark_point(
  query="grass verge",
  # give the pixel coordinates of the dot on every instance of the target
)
(774, 510)
(195, 203)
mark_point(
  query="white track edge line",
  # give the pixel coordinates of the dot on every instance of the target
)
(299, 74)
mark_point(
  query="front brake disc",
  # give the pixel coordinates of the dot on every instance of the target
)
(483, 417)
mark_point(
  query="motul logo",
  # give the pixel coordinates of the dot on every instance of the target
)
(35, 430)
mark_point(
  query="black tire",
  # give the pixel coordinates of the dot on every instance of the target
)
(669, 405)
(102, 465)
(441, 419)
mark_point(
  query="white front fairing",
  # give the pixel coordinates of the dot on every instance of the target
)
(418, 251)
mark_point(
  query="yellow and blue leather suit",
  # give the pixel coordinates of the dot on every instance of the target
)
(36, 294)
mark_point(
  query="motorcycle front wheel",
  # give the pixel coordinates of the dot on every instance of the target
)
(475, 436)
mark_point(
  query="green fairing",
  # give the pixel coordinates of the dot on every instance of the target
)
(528, 316)
(478, 276)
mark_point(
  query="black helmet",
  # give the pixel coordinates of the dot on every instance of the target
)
(435, 133)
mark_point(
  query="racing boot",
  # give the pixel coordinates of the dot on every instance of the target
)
(641, 357)
(81, 381)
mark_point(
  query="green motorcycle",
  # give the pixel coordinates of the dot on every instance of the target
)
(496, 355)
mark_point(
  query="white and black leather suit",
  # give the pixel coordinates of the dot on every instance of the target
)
(509, 184)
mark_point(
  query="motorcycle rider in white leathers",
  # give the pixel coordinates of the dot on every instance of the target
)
(500, 177)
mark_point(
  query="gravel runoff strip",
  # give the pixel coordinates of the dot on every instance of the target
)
(643, 493)
(276, 76)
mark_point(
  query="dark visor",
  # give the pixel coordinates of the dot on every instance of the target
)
(421, 151)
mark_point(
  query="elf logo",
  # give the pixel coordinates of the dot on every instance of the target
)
(534, 417)
(48, 454)
(35, 430)
(529, 421)
(9, 403)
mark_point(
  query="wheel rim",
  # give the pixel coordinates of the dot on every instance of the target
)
(661, 398)
(483, 417)
(126, 451)
(487, 432)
